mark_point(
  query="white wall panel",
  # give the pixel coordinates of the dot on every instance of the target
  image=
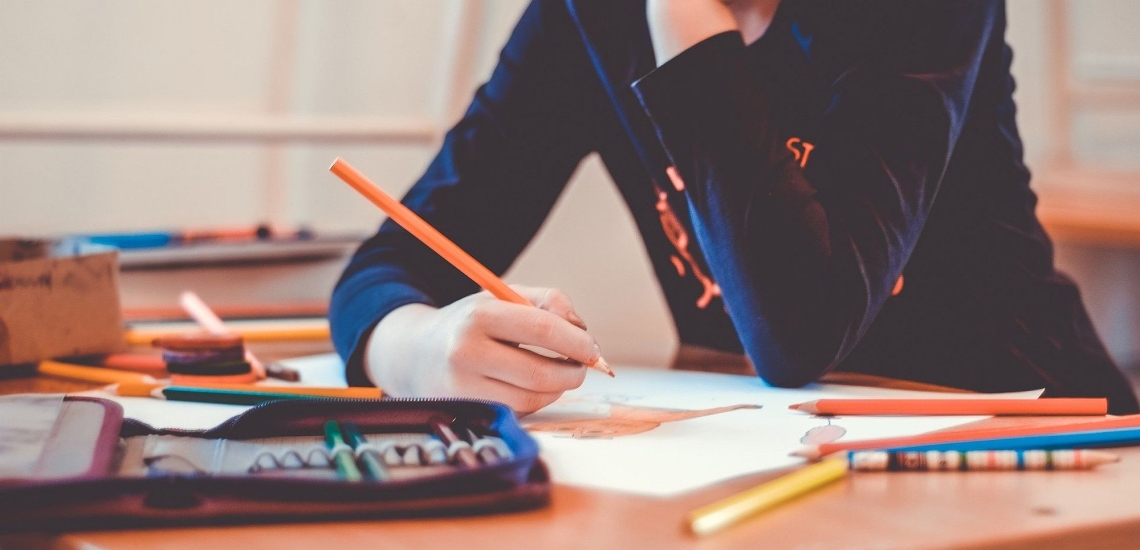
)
(134, 55)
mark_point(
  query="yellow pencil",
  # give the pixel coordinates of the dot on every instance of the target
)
(99, 375)
(724, 513)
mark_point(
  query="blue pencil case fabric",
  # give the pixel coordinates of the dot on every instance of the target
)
(271, 464)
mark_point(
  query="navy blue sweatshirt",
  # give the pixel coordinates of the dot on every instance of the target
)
(846, 193)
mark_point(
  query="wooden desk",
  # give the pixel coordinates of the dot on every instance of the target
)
(1093, 509)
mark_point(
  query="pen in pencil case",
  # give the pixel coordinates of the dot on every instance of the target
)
(898, 461)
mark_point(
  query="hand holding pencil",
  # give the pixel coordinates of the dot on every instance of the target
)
(471, 347)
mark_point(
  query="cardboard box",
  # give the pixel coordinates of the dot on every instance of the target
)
(57, 300)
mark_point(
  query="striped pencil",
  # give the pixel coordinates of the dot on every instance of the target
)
(963, 461)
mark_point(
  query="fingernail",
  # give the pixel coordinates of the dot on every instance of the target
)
(574, 318)
(597, 351)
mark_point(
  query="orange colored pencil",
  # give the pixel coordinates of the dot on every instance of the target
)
(435, 240)
(1060, 406)
(815, 452)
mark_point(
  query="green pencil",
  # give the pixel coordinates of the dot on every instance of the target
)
(342, 453)
(223, 397)
(375, 468)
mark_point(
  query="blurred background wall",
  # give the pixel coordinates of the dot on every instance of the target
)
(145, 114)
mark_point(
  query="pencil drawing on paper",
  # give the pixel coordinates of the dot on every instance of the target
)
(624, 420)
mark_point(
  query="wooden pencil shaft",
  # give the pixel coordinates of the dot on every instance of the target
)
(427, 234)
(727, 512)
(948, 407)
(814, 452)
(225, 397)
(99, 375)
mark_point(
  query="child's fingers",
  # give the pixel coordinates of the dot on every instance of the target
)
(552, 300)
(522, 401)
(517, 324)
(531, 371)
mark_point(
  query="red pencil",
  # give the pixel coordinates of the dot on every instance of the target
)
(951, 407)
(815, 452)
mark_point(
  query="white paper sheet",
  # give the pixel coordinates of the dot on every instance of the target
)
(669, 453)
(686, 454)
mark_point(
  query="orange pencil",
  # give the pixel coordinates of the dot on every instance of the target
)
(435, 240)
(815, 452)
(950, 407)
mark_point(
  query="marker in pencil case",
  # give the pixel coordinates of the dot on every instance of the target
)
(968, 461)
(342, 454)
(372, 465)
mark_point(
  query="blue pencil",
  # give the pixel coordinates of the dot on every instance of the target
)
(1073, 440)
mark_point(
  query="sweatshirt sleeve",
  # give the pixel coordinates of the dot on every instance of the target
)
(496, 177)
(806, 253)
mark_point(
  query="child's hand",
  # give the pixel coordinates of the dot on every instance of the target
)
(470, 349)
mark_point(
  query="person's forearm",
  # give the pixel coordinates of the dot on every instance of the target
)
(677, 25)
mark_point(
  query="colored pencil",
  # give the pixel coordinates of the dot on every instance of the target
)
(435, 240)
(734, 509)
(144, 389)
(222, 397)
(967, 461)
(342, 453)
(99, 375)
(456, 447)
(967, 435)
(949, 407)
(1070, 440)
(376, 469)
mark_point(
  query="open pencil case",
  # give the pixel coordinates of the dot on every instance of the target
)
(76, 463)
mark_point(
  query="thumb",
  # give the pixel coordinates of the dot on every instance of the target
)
(553, 300)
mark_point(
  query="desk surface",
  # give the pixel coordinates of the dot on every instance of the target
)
(1094, 509)
(1088, 509)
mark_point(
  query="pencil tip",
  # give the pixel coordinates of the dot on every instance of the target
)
(601, 365)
